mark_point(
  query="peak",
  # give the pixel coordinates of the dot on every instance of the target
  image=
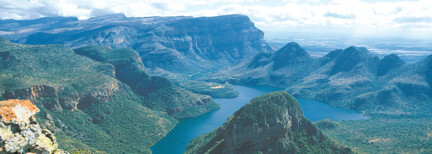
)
(293, 44)
(292, 47)
(392, 58)
(291, 53)
(356, 49)
(347, 59)
(19, 111)
(389, 62)
(270, 105)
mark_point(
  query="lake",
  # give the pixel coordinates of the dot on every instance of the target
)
(176, 141)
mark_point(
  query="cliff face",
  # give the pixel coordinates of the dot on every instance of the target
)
(158, 92)
(177, 44)
(82, 99)
(349, 78)
(20, 132)
(271, 123)
(60, 98)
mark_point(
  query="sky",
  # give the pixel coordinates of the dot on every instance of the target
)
(361, 17)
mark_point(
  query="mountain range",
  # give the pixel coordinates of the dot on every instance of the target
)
(183, 45)
(351, 78)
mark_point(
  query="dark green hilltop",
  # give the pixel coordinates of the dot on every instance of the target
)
(270, 123)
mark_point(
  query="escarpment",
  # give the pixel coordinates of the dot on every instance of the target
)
(183, 44)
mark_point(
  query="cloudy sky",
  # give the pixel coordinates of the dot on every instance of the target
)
(361, 16)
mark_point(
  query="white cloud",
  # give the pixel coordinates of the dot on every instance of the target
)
(267, 14)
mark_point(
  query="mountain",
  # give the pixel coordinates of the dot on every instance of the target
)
(279, 69)
(85, 101)
(21, 133)
(388, 63)
(350, 78)
(184, 45)
(270, 123)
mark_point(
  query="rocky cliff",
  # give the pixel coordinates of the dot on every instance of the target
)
(21, 133)
(184, 45)
(349, 78)
(271, 123)
(158, 93)
(81, 99)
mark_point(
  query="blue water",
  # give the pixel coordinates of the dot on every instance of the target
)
(176, 141)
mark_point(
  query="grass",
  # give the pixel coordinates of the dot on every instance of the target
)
(386, 134)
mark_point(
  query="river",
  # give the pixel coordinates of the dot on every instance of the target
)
(176, 141)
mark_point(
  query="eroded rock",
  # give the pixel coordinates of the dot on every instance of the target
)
(20, 132)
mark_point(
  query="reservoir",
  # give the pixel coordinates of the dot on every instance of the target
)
(176, 141)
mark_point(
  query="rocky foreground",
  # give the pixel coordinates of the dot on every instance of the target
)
(20, 132)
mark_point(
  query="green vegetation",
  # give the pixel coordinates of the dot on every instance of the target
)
(215, 90)
(158, 93)
(271, 123)
(352, 78)
(91, 106)
(387, 134)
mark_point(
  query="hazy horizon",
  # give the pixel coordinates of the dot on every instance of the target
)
(358, 18)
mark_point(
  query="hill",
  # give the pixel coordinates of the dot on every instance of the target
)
(271, 123)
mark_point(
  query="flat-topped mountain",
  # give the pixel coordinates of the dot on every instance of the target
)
(349, 78)
(177, 44)
(271, 123)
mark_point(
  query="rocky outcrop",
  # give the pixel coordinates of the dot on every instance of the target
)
(271, 123)
(58, 98)
(21, 133)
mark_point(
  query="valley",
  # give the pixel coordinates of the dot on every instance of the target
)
(118, 84)
(189, 128)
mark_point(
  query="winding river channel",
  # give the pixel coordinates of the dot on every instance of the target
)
(176, 141)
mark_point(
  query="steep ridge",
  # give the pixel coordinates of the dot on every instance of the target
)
(184, 45)
(271, 123)
(351, 78)
(81, 100)
(176, 102)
